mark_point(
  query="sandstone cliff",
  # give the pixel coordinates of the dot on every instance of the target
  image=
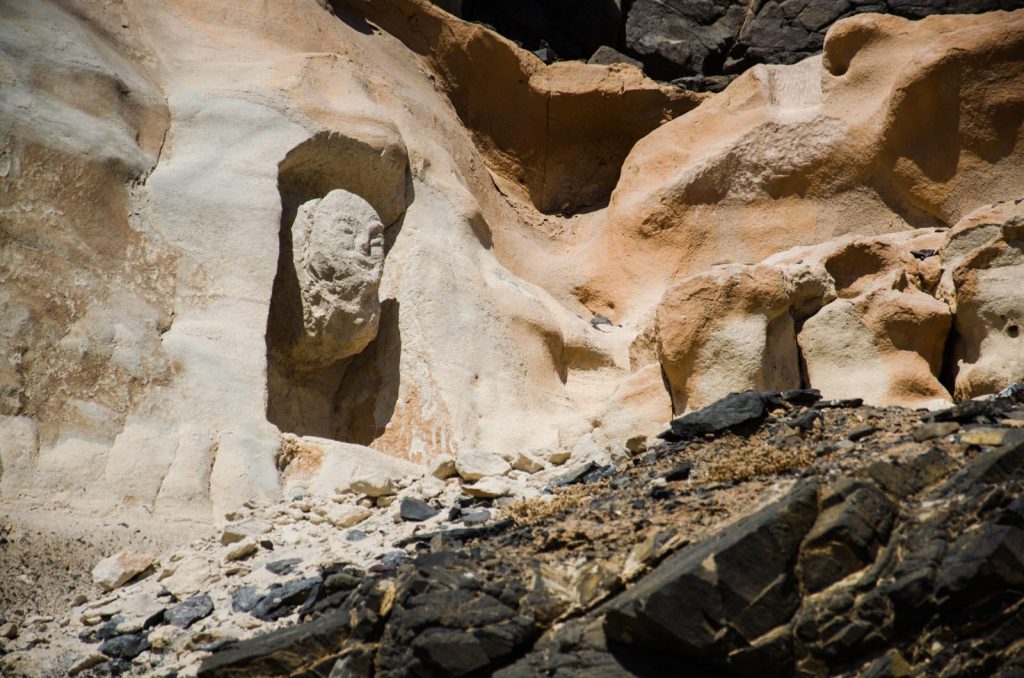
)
(309, 265)
(175, 300)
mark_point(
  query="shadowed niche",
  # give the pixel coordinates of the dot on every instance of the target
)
(351, 399)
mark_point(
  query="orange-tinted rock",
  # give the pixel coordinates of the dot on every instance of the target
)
(727, 330)
(984, 259)
(560, 131)
(900, 125)
(857, 313)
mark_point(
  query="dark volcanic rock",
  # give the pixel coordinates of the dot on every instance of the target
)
(573, 28)
(734, 412)
(607, 56)
(416, 510)
(283, 652)
(245, 598)
(280, 652)
(190, 611)
(676, 38)
(855, 521)
(281, 600)
(127, 646)
(891, 557)
(741, 578)
(680, 38)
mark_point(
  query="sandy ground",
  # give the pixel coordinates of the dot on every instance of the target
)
(46, 557)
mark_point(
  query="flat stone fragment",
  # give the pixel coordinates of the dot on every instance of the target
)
(474, 465)
(734, 412)
(240, 550)
(444, 468)
(236, 532)
(184, 614)
(121, 568)
(346, 515)
(489, 488)
(934, 430)
(986, 436)
(861, 432)
(416, 510)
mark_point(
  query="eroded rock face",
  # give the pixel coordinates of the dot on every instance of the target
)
(984, 258)
(852, 143)
(338, 253)
(157, 378)
(852, 317)
(727, 330)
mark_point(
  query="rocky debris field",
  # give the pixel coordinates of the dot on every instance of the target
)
(769, 532)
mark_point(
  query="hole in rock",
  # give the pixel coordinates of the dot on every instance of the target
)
(329, 372)
(855, 262)
(1012, 331)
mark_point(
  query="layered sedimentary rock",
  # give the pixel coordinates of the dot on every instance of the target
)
(873, 316)
(897, 127)
(183, 298)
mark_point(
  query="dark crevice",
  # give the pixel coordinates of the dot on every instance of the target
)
(950, 367)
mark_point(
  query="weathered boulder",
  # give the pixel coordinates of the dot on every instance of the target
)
(885, 346)
(416, 510)
(727, 330)
(475, 464)
(121, 568)
(337, 248)
(983, 260)
(855, 316)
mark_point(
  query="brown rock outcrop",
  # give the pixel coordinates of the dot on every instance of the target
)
(855, 316)
(899, 125)
(984, 259)
(561, 132)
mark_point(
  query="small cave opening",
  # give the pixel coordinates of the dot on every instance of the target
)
(333, 345)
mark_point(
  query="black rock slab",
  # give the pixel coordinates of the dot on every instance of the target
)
(280, 601)
(280, 652)
(739, 412)
(416, 510)
(458, 533)
(127, 646)
(190, 611)
(741, 578)
(855, 521)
